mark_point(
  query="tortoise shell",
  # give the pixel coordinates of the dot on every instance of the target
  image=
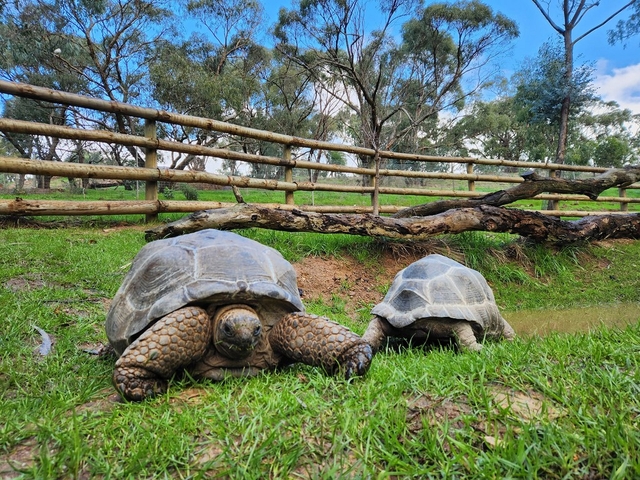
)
(202, 268)
(438, 287)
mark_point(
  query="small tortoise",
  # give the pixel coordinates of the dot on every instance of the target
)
(438, 299)
(217, 304)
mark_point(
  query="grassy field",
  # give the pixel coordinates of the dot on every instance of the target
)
(562, 406)
(319, 197)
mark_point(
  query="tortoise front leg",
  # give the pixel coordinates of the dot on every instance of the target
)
(465, 336)
(321, 342)
(377, 331)
(173, 342)
(507, 331)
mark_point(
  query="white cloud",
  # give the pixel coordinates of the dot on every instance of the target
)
(619, 84)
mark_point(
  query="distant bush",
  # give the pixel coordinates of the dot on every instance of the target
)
(190, 193)
(168, 193)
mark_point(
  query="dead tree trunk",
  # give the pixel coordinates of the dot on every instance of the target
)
(533, 185)
(533, 225)
(447, 216)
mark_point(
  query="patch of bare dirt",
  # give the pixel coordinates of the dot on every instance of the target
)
(188, 397)
(436, 411)
(103, 401)
(361, 284)
(529, 406)
(208, 453)
(20, 284)
(322, 278)
(20, 458)
(432, 412)
(23, 457)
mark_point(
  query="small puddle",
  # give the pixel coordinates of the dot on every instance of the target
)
(571, 320)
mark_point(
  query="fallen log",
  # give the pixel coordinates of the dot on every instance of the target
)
(533, 185)
(532, 225)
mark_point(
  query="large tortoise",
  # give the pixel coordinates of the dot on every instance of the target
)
(217, 304)
(438, 299)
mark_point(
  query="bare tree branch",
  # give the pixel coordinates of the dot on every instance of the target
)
(546, 15)
(533, 185)
(449, 216)
(605, 21)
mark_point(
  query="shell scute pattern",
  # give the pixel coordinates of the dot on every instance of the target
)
(155, 278)
(438, 287)
(204, 267)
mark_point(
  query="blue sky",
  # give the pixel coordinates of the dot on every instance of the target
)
(617, 68)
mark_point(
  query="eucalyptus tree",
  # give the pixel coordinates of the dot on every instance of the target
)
(31, 146)
(572, 15)
(12, 144)
(329, 40)
(295, 106)
(501, 128)
(99, 48)
(290, 96)
(28, 58)
(491, 129)
(6, 150)
(397, 75)
(185, 80)
(522, 123)
(600, 133)
(541, 84)
(612, 134)
(627, 28)
(215, 72)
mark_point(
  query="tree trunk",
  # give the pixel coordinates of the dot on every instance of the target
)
(446, 216)
(532, 225)
(20, 183)
(375, 195)
(44, 182)
(565, 109)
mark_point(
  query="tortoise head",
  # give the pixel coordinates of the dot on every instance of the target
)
(237, 330)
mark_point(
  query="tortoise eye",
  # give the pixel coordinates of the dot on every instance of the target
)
(227, 330)
(257, 331)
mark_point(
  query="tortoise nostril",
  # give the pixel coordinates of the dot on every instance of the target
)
(227, 330)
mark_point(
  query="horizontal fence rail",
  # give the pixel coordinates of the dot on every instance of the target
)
(151, 174)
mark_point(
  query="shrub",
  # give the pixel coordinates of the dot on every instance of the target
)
(167, 193)
(190, 193)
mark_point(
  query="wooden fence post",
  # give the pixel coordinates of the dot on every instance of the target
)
(375, 196)
(471, 183)
(288, 175)
(624, 206)
(151, 161)
(553, 204)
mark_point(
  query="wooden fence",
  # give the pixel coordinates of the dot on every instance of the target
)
(151, 174)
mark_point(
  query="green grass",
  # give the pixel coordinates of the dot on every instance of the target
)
(562, 406)
(251, 195)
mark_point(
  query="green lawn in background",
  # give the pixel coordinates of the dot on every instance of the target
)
(321, 197)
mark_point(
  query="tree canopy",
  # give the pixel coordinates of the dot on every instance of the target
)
(566, 18)
(388, 75)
